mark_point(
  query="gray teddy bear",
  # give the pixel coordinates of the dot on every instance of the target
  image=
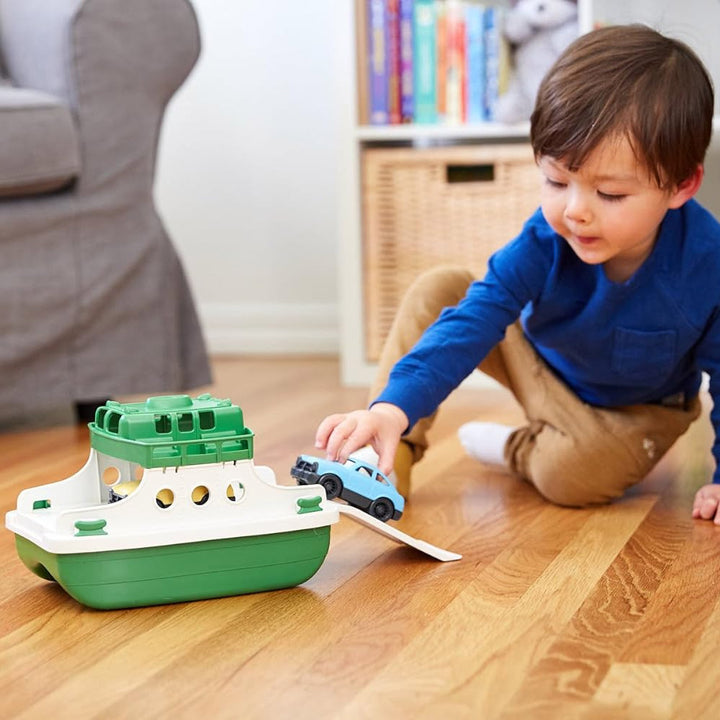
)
(539, 30)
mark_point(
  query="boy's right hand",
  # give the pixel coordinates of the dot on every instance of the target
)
(381, 426)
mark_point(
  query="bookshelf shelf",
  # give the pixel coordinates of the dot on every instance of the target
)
(468, 131)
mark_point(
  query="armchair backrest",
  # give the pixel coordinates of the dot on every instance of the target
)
(35, 43)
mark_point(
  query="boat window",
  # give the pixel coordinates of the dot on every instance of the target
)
(162, 423)
(235, 491)
(110, 475)
(207, 420)
(165, 498)
(185, 422)
(200, 495)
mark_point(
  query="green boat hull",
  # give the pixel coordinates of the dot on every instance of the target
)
(179, 573)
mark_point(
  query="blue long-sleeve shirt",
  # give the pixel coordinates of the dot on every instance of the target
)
(613, 343)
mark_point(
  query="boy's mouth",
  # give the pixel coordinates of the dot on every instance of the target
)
(585, 239)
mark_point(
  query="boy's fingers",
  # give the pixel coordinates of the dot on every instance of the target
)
(351, 444)
(708, 508)
(325, 428)
(386, 457)
(338, 438)
(359, 437)
(697, 504)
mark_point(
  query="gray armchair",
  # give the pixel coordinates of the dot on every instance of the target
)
(93, 299)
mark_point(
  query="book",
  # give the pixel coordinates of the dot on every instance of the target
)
(505, 68)
(378, 64)
(394, 70)
(475, 55)
(407, 98)
(492, 30)
(455, 88)
(441, 59)
(425, 61)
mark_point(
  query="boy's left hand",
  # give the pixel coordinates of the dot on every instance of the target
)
(707, 503)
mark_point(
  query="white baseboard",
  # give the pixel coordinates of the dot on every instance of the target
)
(270, 328)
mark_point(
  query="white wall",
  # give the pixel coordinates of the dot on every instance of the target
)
(248, 176)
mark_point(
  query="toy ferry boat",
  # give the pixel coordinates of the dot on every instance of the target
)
(168, 508)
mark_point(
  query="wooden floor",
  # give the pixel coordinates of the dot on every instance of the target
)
(552, 613)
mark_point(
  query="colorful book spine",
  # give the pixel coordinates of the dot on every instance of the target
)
(493, 32)
(441, 59)
(462, 43)
(455, 103)
(378, 71)
(425, 61)
(393, 37)
(475, 77)
(505, 61)
(407, 99)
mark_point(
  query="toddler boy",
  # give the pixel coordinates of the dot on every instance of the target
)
(601, 315)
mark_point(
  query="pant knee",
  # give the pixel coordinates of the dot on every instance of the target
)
(439, 288)
(567, 490)
(566, 472)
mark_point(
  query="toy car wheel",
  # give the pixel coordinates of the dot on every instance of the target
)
(332, 484)
(382, 508)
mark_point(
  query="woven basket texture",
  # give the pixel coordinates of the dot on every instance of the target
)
(423, 208)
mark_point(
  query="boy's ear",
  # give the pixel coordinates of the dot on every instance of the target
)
(687, 188)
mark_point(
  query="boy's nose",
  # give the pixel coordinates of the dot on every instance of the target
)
(577, 208)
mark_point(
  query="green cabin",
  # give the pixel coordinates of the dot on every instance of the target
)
(172, 430)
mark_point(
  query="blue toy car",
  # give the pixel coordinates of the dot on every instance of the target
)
(358, 483)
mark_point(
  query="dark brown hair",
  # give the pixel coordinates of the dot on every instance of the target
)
(627, 80)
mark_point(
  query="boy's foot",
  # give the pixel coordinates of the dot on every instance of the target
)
(400, 475)
(485, 441)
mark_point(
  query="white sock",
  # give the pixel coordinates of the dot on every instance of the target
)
(368, 455)
(485, 441)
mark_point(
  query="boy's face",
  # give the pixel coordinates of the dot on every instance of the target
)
(609, 210)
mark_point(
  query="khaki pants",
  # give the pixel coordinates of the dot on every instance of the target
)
(575, 454)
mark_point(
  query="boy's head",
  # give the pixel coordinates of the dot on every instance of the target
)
(631, 81)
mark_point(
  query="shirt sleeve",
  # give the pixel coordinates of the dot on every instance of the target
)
(453, 346)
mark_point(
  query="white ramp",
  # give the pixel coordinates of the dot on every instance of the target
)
(394, 534)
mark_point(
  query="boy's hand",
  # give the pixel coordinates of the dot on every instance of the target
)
(707, 502)
(381, 426)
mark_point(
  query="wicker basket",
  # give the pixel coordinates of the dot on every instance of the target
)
(436, 206)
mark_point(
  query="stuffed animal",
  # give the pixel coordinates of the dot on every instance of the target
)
(539, 30)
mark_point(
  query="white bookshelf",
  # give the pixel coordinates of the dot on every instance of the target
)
(456, 133)
(694, 21)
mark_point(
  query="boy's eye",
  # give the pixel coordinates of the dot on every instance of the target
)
(555, 183)
(610, 197)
